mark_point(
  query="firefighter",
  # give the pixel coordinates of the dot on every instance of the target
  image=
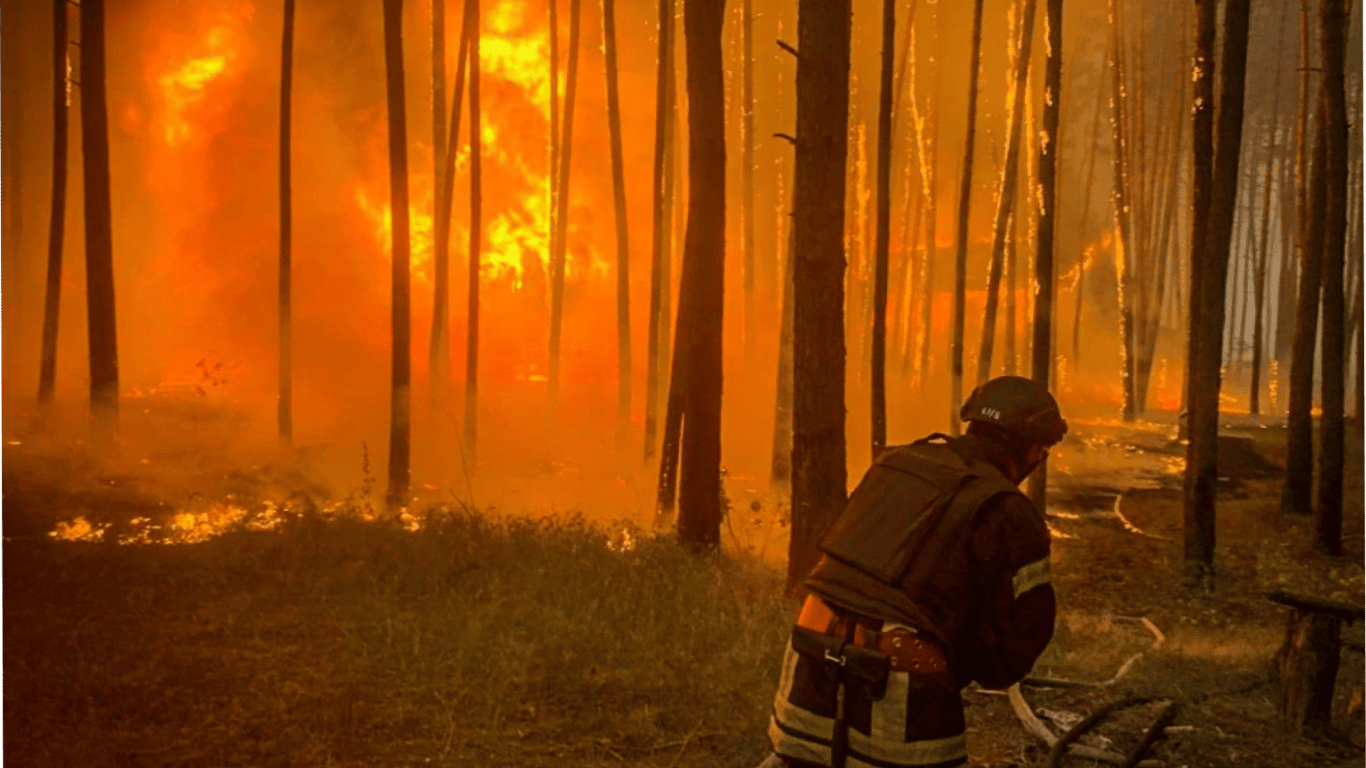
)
(935, 575)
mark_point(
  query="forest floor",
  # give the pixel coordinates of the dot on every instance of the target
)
(234, 624)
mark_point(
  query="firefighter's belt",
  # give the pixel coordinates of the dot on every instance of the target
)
(907, 650)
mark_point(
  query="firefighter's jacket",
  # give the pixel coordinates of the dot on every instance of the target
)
(936, 538)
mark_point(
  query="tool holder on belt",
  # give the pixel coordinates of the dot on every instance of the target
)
(857, 669)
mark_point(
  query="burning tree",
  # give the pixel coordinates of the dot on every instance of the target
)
(284, 406)
(57, 228)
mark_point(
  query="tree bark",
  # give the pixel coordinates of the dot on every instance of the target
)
(884, 231)
(1042, 346)
(1084, 254)
(559, 244)
(1328, 515)
(1255, 386)
(440, 350)
(284, 406)
(438, 353)
(1296, 494)
(929, 159)
(659, 275)
(1125, 254)
(960, 281)
(476, 249)
(699, 492)
(818, 447)
(1211, 258)
(47, 373)
(1005, 199)
(99, 239)
(780, 471)
(747, 171)
(609, 33)
(400, 399)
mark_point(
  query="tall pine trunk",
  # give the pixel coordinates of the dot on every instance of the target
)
(1005, 200)
(780, 471)
(284, 406)
(659, 274)
(747, 171)
(1041, 363)
(1210, 259)
(438, 352)
(47, 372)
(1328, 515)
(929, 159)
(704, 244)
(1125, 254)
(1264, 247)
(400, 396)
(818, 446)
(960, 278)
(609, 33)
(884, 231)
(476, 245)
(444, 198)
(99, 239)
(558, 242)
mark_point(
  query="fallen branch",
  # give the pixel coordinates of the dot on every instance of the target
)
(1060, 746)
(1155, 732)
(1040, 731)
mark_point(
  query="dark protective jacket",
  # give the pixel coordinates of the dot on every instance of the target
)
(936, 538)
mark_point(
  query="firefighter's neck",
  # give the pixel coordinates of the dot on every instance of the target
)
(998, 456)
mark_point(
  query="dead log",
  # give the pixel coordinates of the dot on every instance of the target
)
(1307, 663)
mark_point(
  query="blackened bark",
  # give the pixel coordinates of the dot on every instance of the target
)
(47, 372)
(1042, 346)
(960, 276)
(284, 405)
(818, 447)
(659, 275)
(747, 171)
(438, 350)
(609, 34)
(780, 471)
(1208, 316)
(400, 400)
(884, 231)
(99, 239)
(1125, 252)
(1328, 515)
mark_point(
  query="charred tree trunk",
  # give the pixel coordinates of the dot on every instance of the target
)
(476, 239)
(960, 278)
(781, 469)
(1296, 494)
(818, 449)
(1328, 528)
(747, 171)
(559, 242)
(400, 398)
(99, 239)
(1124, 240)
(438, 352)
(609, 34)
(659, 274)
(47, 372)
(1264, 248)
(284, 406)
(699, 492)
(1012, 361)
(929, 165)
(1005, 200)
(1042, 346)
(1211, 260)
(884, 231)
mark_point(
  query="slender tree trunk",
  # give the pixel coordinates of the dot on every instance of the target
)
(1012, 362)
(285, 404)
(1005, 199)
(818, 448)
(929, 163)
(1328, 516)
(438, 353)
(747, 171)
(1124, 241)
(99, 239)
(557, 259)
(442, 226)
(400, 398)
(1255, 387)
(1085, 253)
(553, 9)
(960, 282)
(781, 469)
(609, 33)
(47, 373)
(476, 247)
(884, 231)
(1042, 347)
(1207, 317)
(659, 274)
(699, 492)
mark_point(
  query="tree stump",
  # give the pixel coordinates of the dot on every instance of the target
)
(1307, 662)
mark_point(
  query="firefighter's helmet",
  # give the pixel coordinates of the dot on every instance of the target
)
(1017, 405)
